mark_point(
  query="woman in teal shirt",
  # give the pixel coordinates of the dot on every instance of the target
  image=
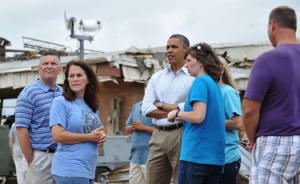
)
(233, 123)
(202, 151)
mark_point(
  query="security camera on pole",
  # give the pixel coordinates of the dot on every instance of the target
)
(84, 26)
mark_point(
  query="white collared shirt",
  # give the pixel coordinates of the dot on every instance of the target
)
(165, 86)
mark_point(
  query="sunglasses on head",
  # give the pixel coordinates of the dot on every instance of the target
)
(197, 46)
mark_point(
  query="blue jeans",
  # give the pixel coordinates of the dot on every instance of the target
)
(192, 173)
(230, 173)
(72, 180)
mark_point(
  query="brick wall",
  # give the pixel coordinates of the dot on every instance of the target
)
(130, 92)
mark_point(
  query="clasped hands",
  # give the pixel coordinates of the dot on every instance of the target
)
(172, 116)
(98, 136)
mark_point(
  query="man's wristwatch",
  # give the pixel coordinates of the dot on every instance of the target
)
(160, 105)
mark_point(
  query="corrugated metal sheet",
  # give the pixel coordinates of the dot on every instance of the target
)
(133, 74)
(251, 51)
(21, 79)
(240, 77)
(18, 74)
(28, 65)
(239, 73)
(234, 50)
(241, 84)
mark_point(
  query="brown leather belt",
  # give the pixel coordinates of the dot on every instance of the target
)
(169, 127)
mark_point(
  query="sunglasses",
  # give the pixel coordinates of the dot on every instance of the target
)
(197, 46)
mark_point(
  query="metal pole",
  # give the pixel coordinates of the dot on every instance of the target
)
(81, 50)
(81, 39)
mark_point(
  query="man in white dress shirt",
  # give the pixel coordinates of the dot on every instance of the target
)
(166, 89)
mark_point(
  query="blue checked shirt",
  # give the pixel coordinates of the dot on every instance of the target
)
(140, 139)
(32, 111)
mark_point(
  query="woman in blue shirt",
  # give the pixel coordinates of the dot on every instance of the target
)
(75, 125)
(202, 151)
(233, 123)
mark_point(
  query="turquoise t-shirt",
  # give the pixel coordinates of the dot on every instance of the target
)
(74, 160)
(205, 143)
(232, 104)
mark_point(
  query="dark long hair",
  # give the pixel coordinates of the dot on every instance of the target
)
(92, 89)
(204, 54)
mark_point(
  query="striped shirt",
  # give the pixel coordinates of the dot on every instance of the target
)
(32, 111)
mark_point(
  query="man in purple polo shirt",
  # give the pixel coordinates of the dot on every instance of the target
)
(271, 108)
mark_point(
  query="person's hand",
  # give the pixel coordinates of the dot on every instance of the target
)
(172, 115)
(179, 120)
(29, 159)
(138, 125)
(12, 156)
(103, 138)
(250, 145)
(96, 134)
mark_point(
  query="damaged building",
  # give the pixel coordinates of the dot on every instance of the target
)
(122, 75)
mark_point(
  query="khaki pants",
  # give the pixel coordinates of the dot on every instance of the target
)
(163, 161)
(137, 173)
(39, 171)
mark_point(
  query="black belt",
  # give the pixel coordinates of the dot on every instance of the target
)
(49, 150)
(169, 127)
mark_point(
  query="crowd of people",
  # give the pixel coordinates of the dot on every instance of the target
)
(197, 111)
(186, 128)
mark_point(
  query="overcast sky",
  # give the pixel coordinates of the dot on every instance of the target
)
(140, 23)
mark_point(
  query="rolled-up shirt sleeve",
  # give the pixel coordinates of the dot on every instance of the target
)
(181, 106)
(149, 98)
